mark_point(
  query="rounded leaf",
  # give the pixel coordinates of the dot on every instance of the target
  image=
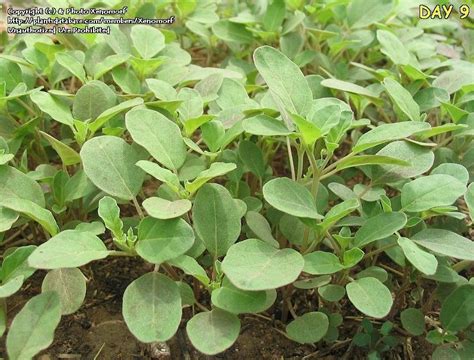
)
(164, 209)
(255, 265)
(92, 99)
(413, 321)
(309, 328)
(158, 135)
(290, 197)
(457, 311)
(162, 240)
(69, 284)
(370, 297)
(109, 162)
(212, 332)
(236, 301)
(216, 218)
(152, 307)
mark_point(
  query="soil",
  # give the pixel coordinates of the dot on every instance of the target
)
(97, 330)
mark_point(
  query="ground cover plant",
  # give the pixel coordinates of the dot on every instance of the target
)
(310, 164)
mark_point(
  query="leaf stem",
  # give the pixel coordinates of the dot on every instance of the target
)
(290, 156)
(137, 206)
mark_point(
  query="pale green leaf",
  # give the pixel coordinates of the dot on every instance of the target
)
(255, 265)
(152, 307)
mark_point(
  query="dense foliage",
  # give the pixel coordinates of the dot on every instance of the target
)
(254, 153)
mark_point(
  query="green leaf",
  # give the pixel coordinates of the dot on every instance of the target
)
(265, 125)
(11, 286)
(413, 321)
(255, 265)
(15, 263)
(68, 155)
(431, 191)
(163, 209)
(309, 328)
(469, 199)
(393, 47)
(164, 175)
(446, 243)
(147, 40)
(284, 79)
(420, 259)
(92, 99)
(109, 63)
(73, 65)
(161, 89)
(274, 15)
(7, 218)
(33, 211)
(260, 227)
(370, 160)
(419, 157)
(455, 170)
(162, 240)
(32, 329)
(388, 132)
(16, 185)
(190, 267)
(331, 292)
(70, 285)
(216, 218)
(347, 87)
(109, 162)
(152, 307)
(52, 106)
(370, 297)
(236, 301)
(233, 32)
(290, 197)
(216, 169)
(457, 311)
(308, 131)
(252, 157)
(362, 13)
(111, 112)
(160, 136)
(403, 99)
(379, 227)
(321, 262)
(68, 249)
(109, 212)
(222, 330)
(339, 211)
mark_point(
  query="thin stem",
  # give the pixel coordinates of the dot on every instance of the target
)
(137, 206)
(120, 253)
(379, 250)
(290, 156)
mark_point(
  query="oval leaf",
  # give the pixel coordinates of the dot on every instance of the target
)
(255, 265)
(32, 329)
(309, 328)
(164, 209)
(290, 197)
(162, 240)
(159, 135)
(152, 307)
(109, 162)
(68, 249)
(69, 284)
(216, 218)
(370, 297)
(222, 329)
